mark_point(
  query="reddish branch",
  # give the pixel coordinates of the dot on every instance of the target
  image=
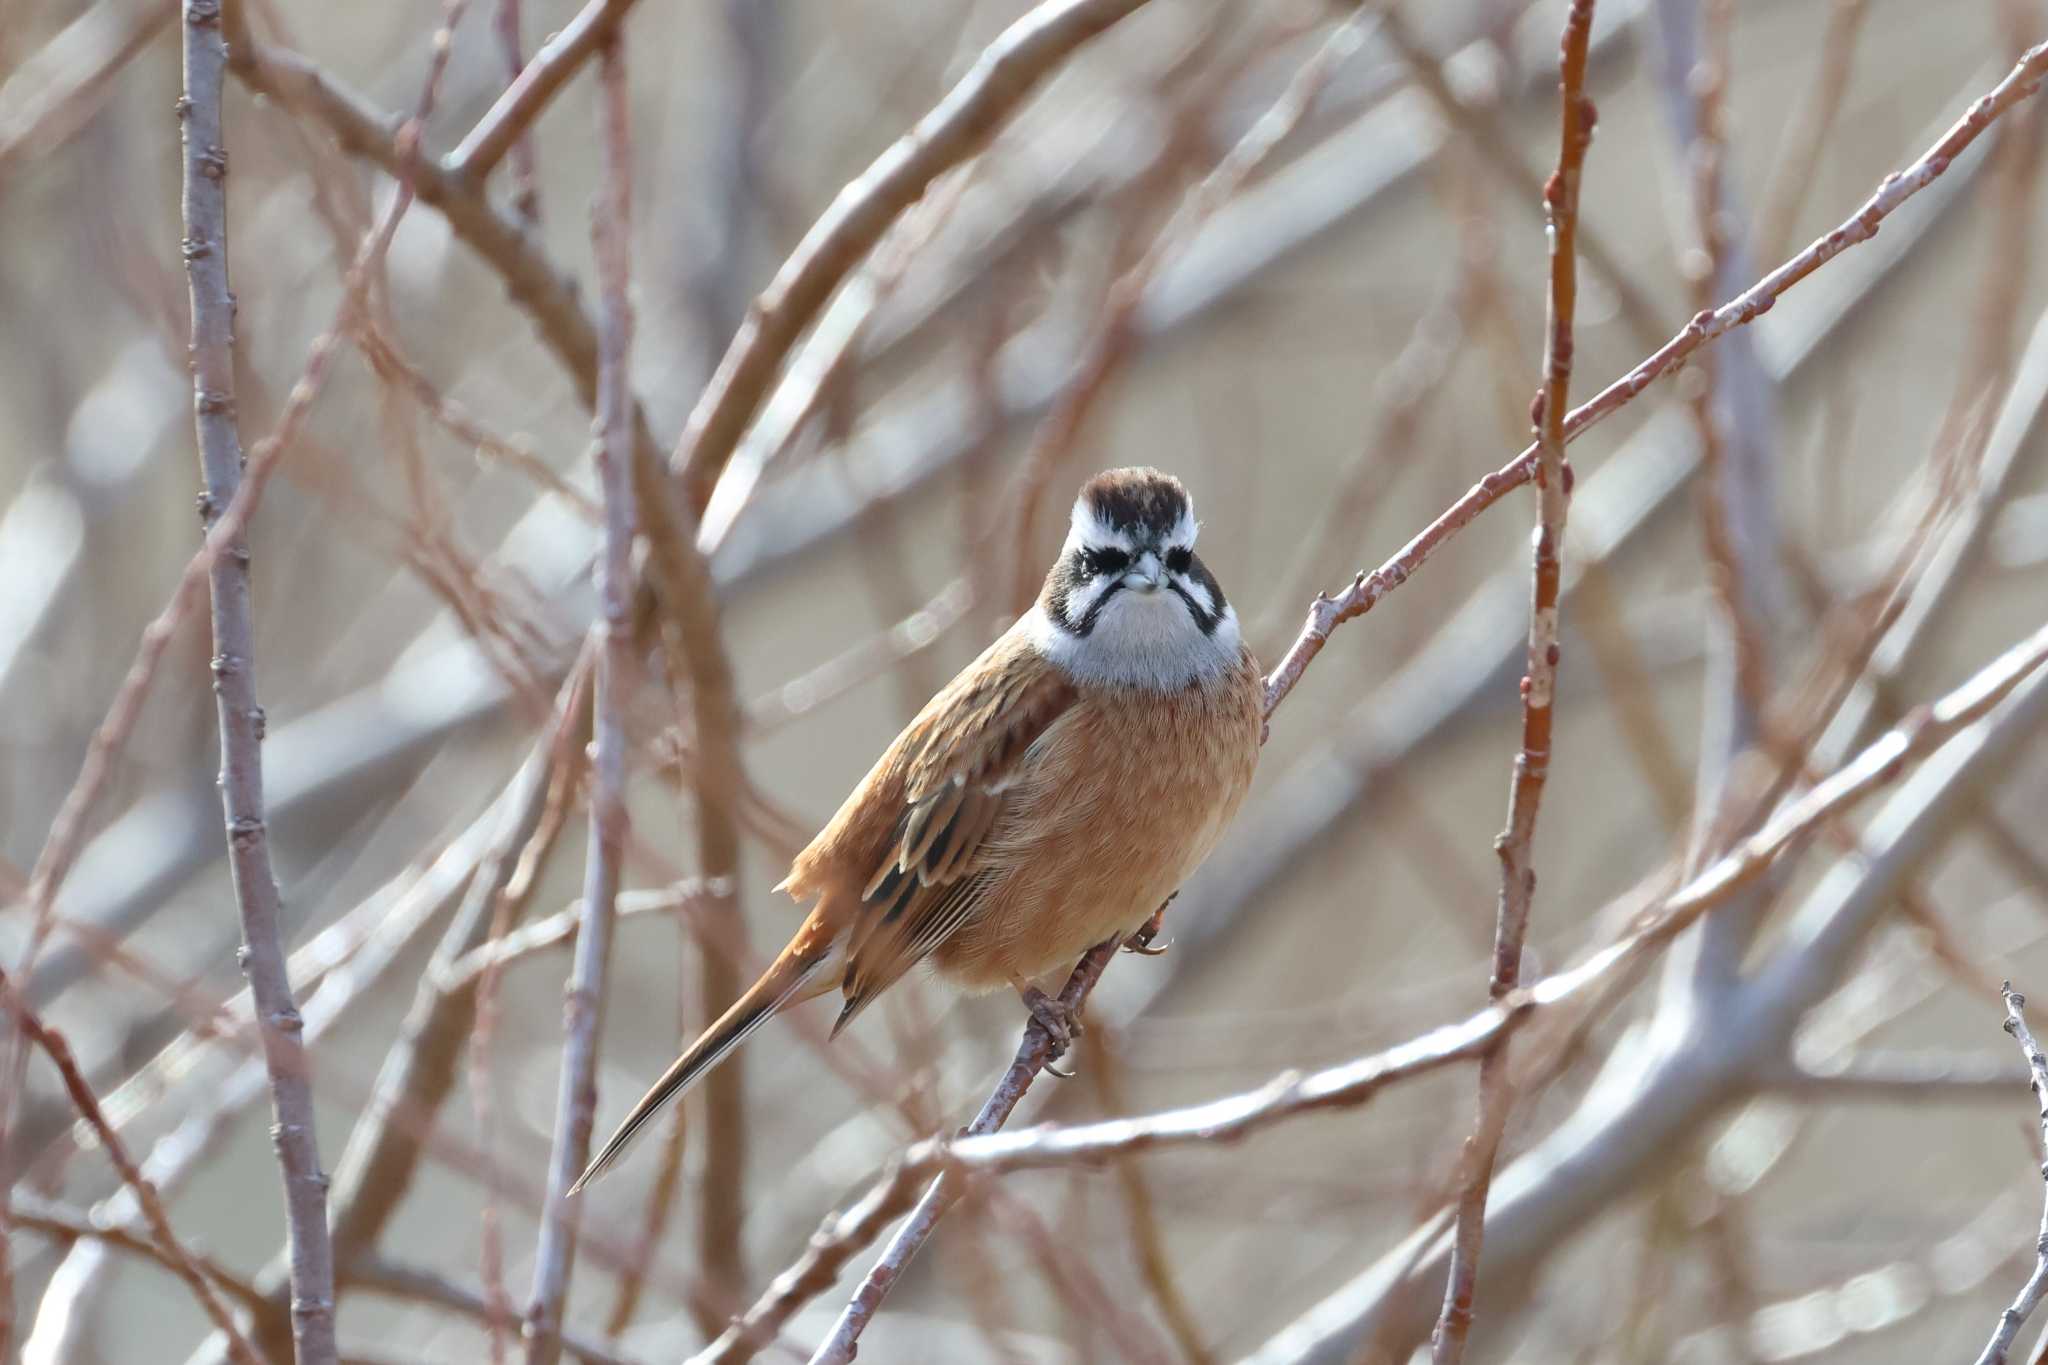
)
(234, 685)
(1515, 845)
(168, 1248)
(576, 1100)
(1366, 590)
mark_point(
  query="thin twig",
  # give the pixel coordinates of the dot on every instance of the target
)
(576, 1100)
(234, 685)
(2036, 1287)
(1515, 846)
(169, 1249)
(1032, 1054)
(507, 121)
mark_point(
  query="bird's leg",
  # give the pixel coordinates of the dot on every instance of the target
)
(1061, 1021)
(1140, 941)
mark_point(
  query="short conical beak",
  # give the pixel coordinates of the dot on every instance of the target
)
(1146, 575)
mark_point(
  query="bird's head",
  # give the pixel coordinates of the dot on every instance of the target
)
(1129, 602)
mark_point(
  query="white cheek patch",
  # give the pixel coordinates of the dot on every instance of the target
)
(1200, 593)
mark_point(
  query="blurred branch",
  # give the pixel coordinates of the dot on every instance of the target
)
(50, 97)
(971, 114)
(1799, 153)
(2036, 1287)
(55, 1220)
(1515, 845)
(278, 1021)
(1113, 333)
(576, 1099)
(526, 185)
(1895, 1078)
(1481, 125)
(536, 85)
(378, 1275)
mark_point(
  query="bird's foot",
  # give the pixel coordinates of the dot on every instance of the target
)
(1140, 941)
(1061, 1021)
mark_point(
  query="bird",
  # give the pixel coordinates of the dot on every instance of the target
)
(1047, 800)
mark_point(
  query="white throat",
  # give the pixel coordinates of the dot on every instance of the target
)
(1144, 640)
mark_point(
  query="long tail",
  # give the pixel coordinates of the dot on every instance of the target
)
(780, 985)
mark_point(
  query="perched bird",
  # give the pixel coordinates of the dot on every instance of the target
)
(1048, 799)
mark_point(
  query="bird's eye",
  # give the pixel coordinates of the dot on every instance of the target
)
(1101, 562)
(1178, 558)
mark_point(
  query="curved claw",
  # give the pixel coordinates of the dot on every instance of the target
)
(1146, 948)
(1053, 1068)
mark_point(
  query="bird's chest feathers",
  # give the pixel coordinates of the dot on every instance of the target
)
(1136, 786)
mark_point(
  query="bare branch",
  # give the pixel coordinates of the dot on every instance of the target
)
(169, 1249)
(234, 684)
(1012, 67)
(535, 86)
(1515, 844)
(576, 1100)
(2036, 1287)
(1367, 589)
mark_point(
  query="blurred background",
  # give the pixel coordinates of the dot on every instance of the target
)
(1801, 1136)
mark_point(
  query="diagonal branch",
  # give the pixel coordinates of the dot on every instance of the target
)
(959, 126)
(168, 1248)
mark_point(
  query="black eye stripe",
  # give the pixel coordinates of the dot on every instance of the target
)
(1178, 558)
(1099, 560)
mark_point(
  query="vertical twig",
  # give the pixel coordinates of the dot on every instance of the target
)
(576, 1099)
(525, 182)
(2036, 1287)
(1532, 764)
(234, 684)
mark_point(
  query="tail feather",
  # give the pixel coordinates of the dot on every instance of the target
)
(781, 985)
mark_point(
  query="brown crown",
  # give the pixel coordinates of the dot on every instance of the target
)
(1136, 499)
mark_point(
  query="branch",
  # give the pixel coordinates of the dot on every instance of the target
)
(1515, 846)
(56, 1220)
(521, 103)
(961, 124)
(1366, 590)
(169, 1249)
(576, 1100)
(2036, 1287)
(1227, 1120)
(234, 684)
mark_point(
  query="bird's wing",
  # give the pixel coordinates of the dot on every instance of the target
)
(961, 762)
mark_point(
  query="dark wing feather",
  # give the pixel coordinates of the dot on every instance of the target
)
(969, 753)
